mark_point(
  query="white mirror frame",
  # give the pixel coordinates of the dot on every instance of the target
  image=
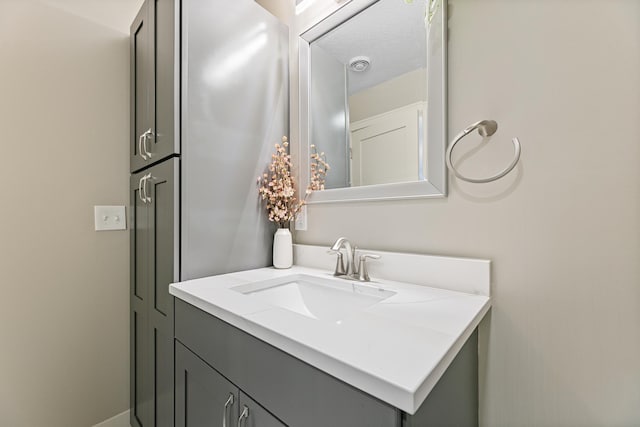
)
(435, 184)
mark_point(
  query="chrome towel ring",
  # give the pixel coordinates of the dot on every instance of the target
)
(485, 128)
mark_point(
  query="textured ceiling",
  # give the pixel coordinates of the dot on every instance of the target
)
(390, 32)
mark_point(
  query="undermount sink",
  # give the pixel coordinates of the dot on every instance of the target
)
(316, 297)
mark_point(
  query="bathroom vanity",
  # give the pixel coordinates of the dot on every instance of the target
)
(299, 347)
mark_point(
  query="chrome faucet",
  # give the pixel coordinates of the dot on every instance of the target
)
(350, 268)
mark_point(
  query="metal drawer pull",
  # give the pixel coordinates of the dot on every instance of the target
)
(140, 190)
(146, 196)
(242, 421)
(227, 405)
(144, 135)
(148, 133)
(144, 188)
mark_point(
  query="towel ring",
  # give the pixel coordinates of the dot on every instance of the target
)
(485, 128)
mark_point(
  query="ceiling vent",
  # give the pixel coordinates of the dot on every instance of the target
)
(359, 63)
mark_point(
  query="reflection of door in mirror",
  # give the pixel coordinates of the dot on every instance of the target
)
(389, 147)
(368, 96)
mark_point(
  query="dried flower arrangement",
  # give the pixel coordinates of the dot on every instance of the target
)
(278, 186)
(318, 170)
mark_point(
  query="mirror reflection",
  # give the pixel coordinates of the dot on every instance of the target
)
(368, 93)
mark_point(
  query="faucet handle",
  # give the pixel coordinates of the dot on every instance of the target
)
(363, 274)
(340, 270)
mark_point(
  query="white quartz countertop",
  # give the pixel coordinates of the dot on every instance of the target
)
(395, 350)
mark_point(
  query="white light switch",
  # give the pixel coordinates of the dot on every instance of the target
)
(110, 218)
(301, 219)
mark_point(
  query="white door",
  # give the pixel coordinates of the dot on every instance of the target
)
(389, 147)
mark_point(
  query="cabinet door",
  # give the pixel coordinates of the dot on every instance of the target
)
(154, 265)
(140, 392)
(142, 82)
(162, 204)
(164, 140)
(255, 415)
(154, 86)
(203, 396)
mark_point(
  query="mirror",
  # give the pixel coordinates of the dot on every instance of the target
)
(372, 98)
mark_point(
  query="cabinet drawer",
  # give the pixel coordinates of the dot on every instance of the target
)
(297, 393)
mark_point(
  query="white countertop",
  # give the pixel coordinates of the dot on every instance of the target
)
(395, 350)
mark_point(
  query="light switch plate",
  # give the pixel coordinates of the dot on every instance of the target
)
(110, 218)
(301, 220)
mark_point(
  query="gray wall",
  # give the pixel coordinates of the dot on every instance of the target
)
(232, 117)
(64, 126)
(561, 346)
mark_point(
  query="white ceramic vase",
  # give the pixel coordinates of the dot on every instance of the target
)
(282, 249)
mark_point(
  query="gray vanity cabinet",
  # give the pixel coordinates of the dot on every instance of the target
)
(296, 393)
(153, 216)
(154, 85)
(208, 350)
(206, 398)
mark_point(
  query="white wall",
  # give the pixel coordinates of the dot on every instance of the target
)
(64, 120)
(395, 93)
(561, 346)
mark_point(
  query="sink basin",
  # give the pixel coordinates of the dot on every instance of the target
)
(316, 297)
